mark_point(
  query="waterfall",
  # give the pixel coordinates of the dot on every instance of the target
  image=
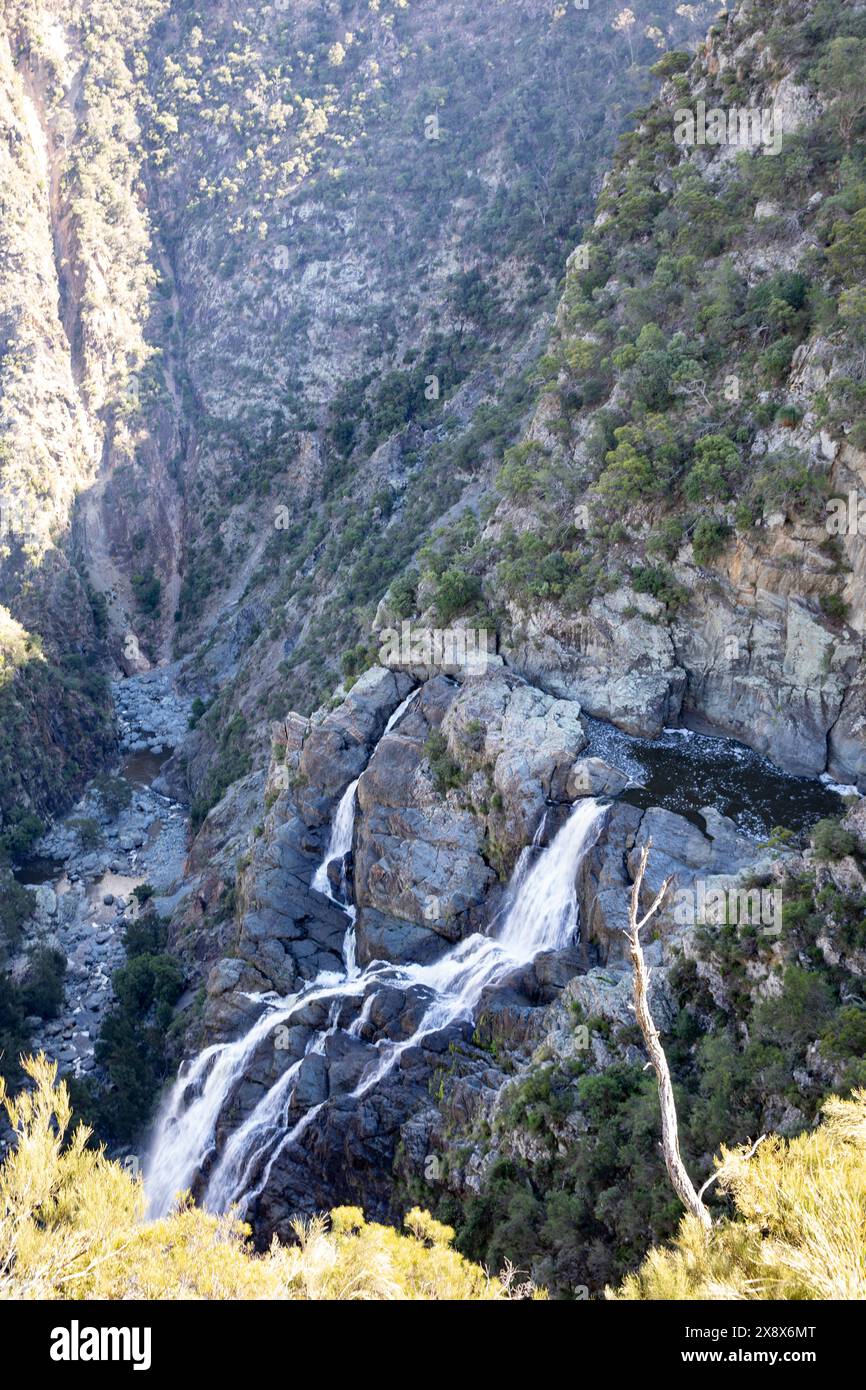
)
(188, 1118)
(186, 1126)
(543, 915)
(185, 1131)
(340, 843)
(262, 1131)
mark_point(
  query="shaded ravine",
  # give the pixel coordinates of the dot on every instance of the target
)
(85, 868)
(543, 915)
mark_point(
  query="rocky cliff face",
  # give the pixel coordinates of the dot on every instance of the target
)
(79, 271)
(293, 366)
(292, 268)
(367, 230)
(352, 1094)
(699, 430)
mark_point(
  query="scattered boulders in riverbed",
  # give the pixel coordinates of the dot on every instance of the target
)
(152, 716)
(120, 835)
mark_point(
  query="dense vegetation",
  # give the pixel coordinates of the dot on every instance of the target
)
(73, 1225)
(73, 1220)
(761, 1029)
(37, 991)
(667, 378)
(799, 1229)
(668, 423)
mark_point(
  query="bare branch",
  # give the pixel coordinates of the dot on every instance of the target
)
(752, 1151)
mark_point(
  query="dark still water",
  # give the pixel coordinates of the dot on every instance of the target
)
(139, 769)
(684, 771)
(36, 869)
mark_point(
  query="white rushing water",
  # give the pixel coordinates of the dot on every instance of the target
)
(542, 915)
(187, 1121)
(340, 843)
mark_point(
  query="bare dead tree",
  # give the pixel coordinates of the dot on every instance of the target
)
(682, 1183)
(693, 388)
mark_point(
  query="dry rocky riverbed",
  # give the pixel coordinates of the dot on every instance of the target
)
(122, 834)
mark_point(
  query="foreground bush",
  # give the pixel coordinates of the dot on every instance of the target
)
(800, 1225)
(72, 1226)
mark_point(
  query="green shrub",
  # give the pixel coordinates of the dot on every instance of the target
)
(787, 481)
(641, 464)
(672, 62)
(13, 1034)
(775, 361)
(88, 831)
(845, 1035)
(446, 772)
(523, 469)
(116, 792)
(197, 709)
(21, 831)
(658, 581)
(834, 606)
(17, 904)
(134, 1041)
(794, 1018)
(666, 538)
(42, 987)
(454, 593)
(716, 462)
(831, 841)
(147, 588)
(403, 594)
(709, 538)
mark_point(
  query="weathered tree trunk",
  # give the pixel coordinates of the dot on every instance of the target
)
(682, 1183)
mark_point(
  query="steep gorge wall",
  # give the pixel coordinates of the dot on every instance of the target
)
(264, 235)
(666, 551)
(367, 211)
(78, 284)
(55, 727)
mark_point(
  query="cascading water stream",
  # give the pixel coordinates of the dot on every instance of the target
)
(187, 1122)
(543, 915)
(186, 1127)
(262, 1130)
(340, 843)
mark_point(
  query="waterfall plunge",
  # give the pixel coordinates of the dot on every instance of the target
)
(543, 915)
(186, 1125)
(340, 843)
